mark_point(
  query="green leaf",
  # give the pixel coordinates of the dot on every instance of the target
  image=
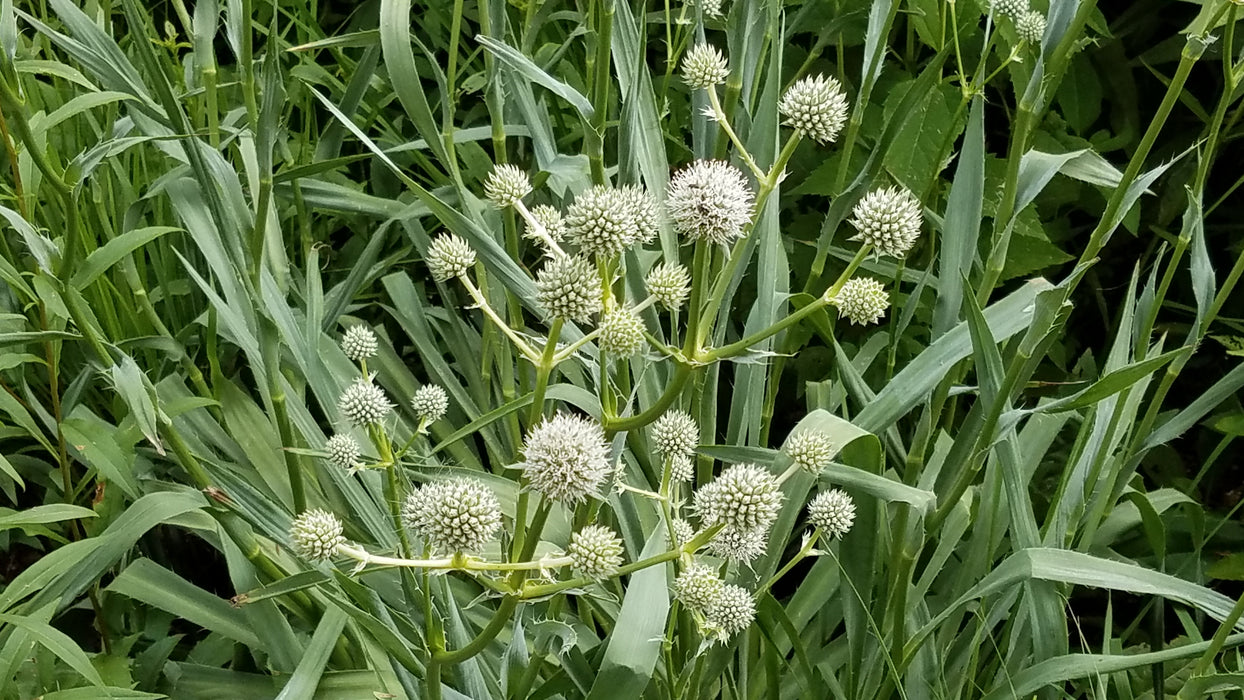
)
(1112, 383)
(113, 251)
(306, 678)
(150, 583)
(41, 515)
(529, 70)
(58, 643)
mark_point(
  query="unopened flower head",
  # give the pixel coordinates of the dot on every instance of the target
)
(359, 343)
(507, 184)
(698, 587)
(1031, 27)
(675, 433)
(744, 497)
(682, 468)
(430, 403)
(739, 546)
(710, 8)
(343, 451)
(1009, 8)
(449, 256)
(568, 287)
(862, 300)
(551, 219)
(888, 220)
(815, 107)
(595, 551)
(683, 532)
(645, 212)
(731, 613)
(670, 283)
(315, 534)
(810, 449)
(601, 221)
(566, 458)
(459, 515)
(704, 66)
(364, 403)
(710, 200)
(833, 512)
(621, 333)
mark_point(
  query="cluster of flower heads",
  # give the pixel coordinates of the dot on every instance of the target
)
(566, 458)
(887, 220)
(458, 515)
(1029, 23)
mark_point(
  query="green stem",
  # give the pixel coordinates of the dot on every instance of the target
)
(543, 369)
(483, 305)
(676, 383)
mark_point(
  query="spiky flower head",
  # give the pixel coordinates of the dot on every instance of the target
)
(645, 212)
(343, 451)
(449, 256)
(551, 219)
(682, 468)
(833, 512)
(888, 220)
(815, 107)
(810, 449)
(621, 332)
(863, 300)
(670, 283)
(359, 343)
(1031, 27)
(1009, 8)
(710, 200)
(507, 184)
(731, 613)
(739, 546)
(675, 433)
(430, 403)
(595, 551)
(703, 67)
(458, 515)
(744, 497)
(602, 221)
(315, 534)
(568, 287)
(710, 8)
(364, 403)
(566, 458)
(698, 587)
(683, 532)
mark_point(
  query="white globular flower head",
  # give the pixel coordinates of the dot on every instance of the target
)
(683, 532)
(739, 546)
(815, 107)
(551, 219)
(449, 256)
(506, 185)
(862, 300)
(595, 551)
(343, 451)
(698, 587)
(566, 458)
(675, 433)
(430, 403)
(833, 512)
(459, 515)
(732, 612)
(568, 287)
(1009, 8)
(743, 497)
(670, 283)
(315, 534)
(364, 403)
(1031, 27)
(704, 66)
(682, 468)
(645, 211)
(359, 343)
(889, 220)
(710, 8)
(601, 221)
(710, 200)
(621, 333)
(810, 449)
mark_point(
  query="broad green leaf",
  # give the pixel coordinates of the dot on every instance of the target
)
(58, 643)
(306, 678)
(150, 583)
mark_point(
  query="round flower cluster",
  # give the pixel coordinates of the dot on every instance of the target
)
(710, 8)
(739, 546)
(888, 220)
(683, 532)
(566, 458)
(682, 468)
(670, 283)
(604, 221)
(710, 200)
(832, 511)
(595, 551)
(449, 256)
(315, 534)
(732, 612)
(815, 107)
(675, 433)
(743, 497)
(364, 403)
(567, 286)
(810, 449)
(343, 451)
(506, 185)
(698, 587)
(645, 211)
(459, 515)
(429, 403)
(1031, 27)
(359, 343)
(862, 300)
(550, 219)
(1009, 8)
(703, 67)
(621, 332)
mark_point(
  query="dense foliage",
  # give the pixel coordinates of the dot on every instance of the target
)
(609, 348)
